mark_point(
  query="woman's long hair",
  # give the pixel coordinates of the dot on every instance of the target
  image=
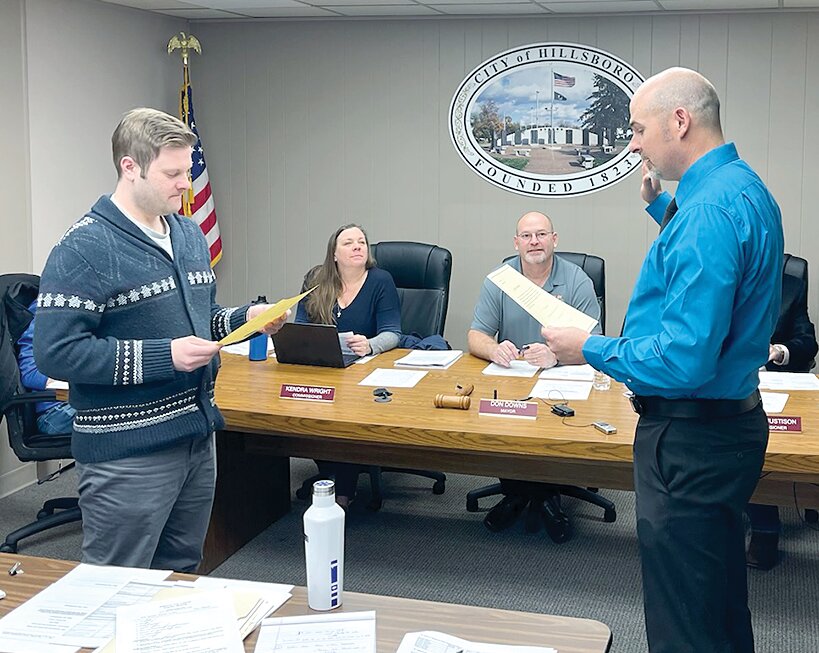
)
(322, 301)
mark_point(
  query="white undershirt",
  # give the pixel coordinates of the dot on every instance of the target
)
(162, 239)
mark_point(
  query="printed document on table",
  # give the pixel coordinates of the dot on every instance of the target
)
(788, 381)
(243, 348)
(275, 311)
(80, 608)
(200, 622)
(542, 306)
(431, 359)
(569, 373)
(350, 632)
(430, 641)
(516, 368)
(556, 390)
(392, 378)
(774, 402)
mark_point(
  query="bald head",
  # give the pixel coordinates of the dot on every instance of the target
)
(674, 121)
(682, 87)
(535, 221)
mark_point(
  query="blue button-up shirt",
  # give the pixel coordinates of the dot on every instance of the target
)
(706, 301)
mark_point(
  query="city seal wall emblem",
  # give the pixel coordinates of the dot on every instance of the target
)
(547, 119)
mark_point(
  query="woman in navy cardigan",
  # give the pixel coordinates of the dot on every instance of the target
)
(361, 300)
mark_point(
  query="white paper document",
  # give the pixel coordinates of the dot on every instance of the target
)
(557, 390)
(365, 359)
(199, 622)
(79, 609)
(430, 641)
(788, 381)
(347, 632)
(542, 306)
(774, 402)
(569, 373)
(342, 340)
(243, 348)
(516, 368)
(429, 359)
(393, 378)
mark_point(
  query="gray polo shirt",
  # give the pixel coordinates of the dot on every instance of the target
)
(496, 314)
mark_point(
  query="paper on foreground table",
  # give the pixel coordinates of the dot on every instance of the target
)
(545, 308)
(274, 312)
(196, 621)
(430, 641)
(351, 632)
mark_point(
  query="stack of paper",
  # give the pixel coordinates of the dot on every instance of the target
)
(569, 373)
(421, 359)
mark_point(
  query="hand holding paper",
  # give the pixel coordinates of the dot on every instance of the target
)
(566, 343)
(267, 317)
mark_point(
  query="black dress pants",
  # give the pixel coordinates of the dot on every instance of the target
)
(693, 478)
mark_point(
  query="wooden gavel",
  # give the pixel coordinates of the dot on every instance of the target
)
(459, 400)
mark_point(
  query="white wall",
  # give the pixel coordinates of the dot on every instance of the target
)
(68, 70)
(298, 122)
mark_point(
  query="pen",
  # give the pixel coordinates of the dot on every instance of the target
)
(14, 569)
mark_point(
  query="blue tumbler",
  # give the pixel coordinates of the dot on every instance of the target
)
(258, 347)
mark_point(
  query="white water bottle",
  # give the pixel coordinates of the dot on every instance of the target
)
(324, 548)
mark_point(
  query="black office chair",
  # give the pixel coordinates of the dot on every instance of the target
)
(421, 273)
(595, 268)
(17, 291)
(796, 266)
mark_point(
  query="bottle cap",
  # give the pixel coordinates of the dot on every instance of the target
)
(324, 488)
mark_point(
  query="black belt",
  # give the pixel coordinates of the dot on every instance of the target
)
(693, 408)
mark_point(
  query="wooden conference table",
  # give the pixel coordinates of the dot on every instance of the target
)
(263, 431)
(394, 616)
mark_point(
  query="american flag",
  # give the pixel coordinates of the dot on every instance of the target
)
(197, 203)
(560, 97)
(563, 80)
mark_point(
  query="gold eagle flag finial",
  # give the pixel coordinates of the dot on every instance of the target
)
(185, 43)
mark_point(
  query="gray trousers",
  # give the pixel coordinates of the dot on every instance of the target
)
(149, 511)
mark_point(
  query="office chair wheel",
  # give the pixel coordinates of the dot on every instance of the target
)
(303, 493)
(8, 548)
(610, 515)
(811, 516)
(439, 487)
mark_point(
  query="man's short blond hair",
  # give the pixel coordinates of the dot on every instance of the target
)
(143, 132)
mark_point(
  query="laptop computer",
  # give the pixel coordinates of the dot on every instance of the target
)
(311, 344)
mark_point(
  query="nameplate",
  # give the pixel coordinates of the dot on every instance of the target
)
(307, 392)
(782, 423)
(508, 408)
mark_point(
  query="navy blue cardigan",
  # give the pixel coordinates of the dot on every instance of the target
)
(110, 303)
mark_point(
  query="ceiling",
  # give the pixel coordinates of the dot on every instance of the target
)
(249, 9)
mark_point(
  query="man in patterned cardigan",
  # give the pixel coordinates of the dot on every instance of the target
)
(127, 314)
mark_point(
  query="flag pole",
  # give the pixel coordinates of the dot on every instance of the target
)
(197, 202)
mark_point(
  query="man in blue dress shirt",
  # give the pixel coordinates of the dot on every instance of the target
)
(697, 329)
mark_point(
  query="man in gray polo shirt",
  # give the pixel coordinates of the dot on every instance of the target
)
(502, 331)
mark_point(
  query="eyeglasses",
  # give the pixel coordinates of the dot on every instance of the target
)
(539, 235)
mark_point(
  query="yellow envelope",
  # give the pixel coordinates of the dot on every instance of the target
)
(275, 311)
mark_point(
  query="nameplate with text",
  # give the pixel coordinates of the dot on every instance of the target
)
(783, 423)
(508, 408)
(307, 392)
